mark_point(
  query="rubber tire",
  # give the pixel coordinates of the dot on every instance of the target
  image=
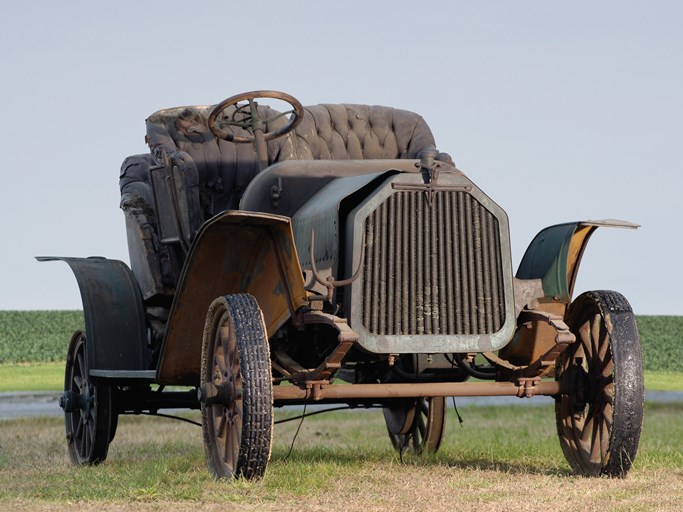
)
(249, 418)
(89, 446)
(609, 314)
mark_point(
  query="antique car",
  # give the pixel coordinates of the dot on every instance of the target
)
(331, 254)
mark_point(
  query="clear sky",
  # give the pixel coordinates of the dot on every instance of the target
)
(559, 111)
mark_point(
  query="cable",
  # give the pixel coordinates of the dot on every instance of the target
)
(296, 434)
(470, 370)
(457, 413)
(170, 416)
(342, 408)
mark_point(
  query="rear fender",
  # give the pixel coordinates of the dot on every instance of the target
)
(554, 256)
(234, 252)
(115, 325)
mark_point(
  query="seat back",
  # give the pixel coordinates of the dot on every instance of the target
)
(224, 169)
(356, 132)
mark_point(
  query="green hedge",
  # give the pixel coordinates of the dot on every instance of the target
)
(662, 339)
(39, 336)
(36, 336)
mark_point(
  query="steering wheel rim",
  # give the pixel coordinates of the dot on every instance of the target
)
(297, 110)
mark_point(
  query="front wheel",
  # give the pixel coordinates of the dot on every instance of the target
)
(236, 389)
(600, 419)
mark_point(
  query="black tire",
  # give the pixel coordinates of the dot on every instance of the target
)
(416, 425)
(238, 424)
(600, 420)
(88, 413)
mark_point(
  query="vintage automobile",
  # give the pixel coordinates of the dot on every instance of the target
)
(330, 254)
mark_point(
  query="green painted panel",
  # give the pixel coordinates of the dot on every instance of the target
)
(546, 259)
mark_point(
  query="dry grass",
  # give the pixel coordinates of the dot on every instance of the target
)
(502, 459)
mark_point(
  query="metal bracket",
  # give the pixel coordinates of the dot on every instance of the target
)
(276, 193)
(325, 371)
(430, 186)
(315, 388)
(564, 335)
(527, 387)
(542, 366)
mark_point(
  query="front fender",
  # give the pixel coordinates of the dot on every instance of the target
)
(554, 255)
(233, 252)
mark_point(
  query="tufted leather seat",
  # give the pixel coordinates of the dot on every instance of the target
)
(327, 132)
(217, 172)
(224, 169)
(356, 132)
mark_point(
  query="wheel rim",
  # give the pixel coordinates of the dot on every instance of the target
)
(599, 420)
(80, 418)
(236, 389)
(400, 418)
(227, 418)
(588, 417)
(425, 432)
(87, 416)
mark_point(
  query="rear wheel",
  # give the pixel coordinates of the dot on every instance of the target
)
(236, 389)
(416, 425)
(88, 415)
(600, 420)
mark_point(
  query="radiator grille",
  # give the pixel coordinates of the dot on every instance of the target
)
(432, 269)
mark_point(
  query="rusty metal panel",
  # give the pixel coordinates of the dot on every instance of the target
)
(534, 339)
(234, 252)
(115, 325)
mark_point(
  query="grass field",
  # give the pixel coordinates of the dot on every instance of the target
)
(502, 458)
(50, 377)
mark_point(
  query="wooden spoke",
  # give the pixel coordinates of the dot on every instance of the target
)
(235, 332)
(599, 421)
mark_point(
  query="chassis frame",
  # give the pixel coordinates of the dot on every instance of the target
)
(243, 316)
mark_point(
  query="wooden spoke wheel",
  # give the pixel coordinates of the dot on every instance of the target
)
(236, 389)
(88, 416)
(416, 425)
(600, 420)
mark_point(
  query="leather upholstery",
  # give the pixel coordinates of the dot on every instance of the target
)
(218, 171)
(356, 132)
(224, 168)
(327, 132)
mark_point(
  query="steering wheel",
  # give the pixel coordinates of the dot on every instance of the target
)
(246, 116)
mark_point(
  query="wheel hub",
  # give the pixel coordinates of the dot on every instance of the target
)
(583, 388)
(68, 401)
(210, 394)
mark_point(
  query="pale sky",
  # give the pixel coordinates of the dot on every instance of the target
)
(560, 111)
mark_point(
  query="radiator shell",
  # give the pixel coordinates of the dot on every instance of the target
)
(437, 271)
